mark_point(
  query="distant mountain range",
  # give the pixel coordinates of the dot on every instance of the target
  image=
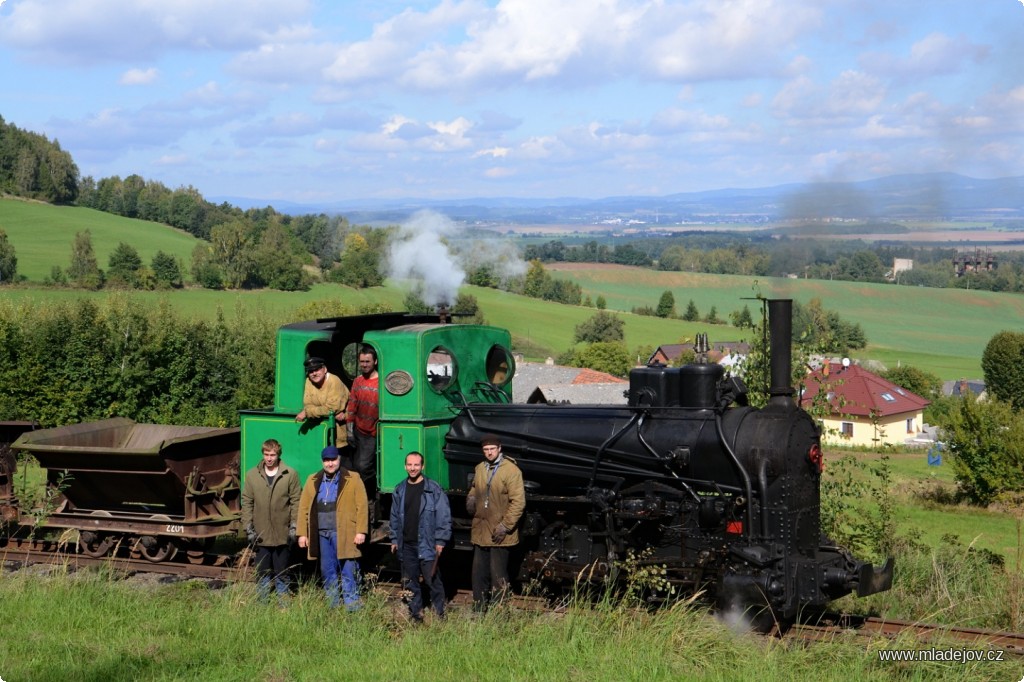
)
(946, 196)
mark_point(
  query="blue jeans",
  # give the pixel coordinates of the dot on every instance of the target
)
(338, 573)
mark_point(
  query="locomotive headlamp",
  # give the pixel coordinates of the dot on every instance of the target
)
(815, 457)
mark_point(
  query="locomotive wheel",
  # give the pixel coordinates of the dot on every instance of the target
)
(156, 548)
(93, 544)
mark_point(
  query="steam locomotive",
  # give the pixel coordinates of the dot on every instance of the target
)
(686, 476)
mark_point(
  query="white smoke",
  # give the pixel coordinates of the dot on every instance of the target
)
(432, 256)
(419, 254)
(501, 256)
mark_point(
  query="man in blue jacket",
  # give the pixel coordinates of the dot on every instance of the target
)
(421, 525)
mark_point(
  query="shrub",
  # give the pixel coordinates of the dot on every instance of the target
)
(986, 440)
(602, 326)
(1002, 363)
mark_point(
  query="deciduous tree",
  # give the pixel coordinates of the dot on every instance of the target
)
(124, 264)
(233, 252)
(360, 264)
(205, 270)
(666, 305)
(84, 271)
(601, 327)
(1002, 363)
(918, 381)
(8, 260)
(987, 442)
(166, 271)
(604, 356)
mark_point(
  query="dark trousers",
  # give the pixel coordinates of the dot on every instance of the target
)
(412, 569)
(364, 459)
(490, 575)
(272, 566)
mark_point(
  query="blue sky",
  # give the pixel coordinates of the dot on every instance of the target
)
(323, 101)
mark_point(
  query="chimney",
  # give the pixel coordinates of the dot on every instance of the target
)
(780, 329)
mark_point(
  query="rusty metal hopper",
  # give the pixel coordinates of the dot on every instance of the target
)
(116, 465)
(9, 432)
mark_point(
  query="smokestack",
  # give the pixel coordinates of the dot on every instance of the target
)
(780, 330)
(444, 314)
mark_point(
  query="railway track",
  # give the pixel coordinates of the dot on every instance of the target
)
(842, 626)
(25, 552)
(21, 552)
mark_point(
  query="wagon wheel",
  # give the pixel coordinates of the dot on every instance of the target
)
(197, 550)
(95, 544)
(156, 548)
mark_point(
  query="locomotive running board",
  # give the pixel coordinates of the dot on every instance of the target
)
(872, 580)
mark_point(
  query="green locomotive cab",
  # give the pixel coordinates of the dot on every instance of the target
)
(427, 371)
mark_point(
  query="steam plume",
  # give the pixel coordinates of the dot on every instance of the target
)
(419, 253)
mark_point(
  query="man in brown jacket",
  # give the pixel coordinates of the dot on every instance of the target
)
(332, 524)
(324, 394)
(496, 502)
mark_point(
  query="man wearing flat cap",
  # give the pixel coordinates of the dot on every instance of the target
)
(324, 395)
(332, 525)
(496, 501)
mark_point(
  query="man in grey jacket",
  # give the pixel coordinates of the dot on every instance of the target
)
(270, 506)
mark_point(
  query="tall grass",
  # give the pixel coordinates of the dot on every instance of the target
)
(91, 626)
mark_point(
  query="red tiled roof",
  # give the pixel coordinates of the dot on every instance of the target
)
(856, 392)
(591, 376)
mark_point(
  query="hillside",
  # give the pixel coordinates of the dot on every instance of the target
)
(942, 330)
(42, 235)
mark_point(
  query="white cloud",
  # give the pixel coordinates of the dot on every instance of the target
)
(138, 76)
(171, 160)
(935, 54)
(851, 95)
(573, 42)
(89, 31)
(494, 152)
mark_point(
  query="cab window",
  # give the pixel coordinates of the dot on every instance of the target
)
(441, 368)
(500, 365)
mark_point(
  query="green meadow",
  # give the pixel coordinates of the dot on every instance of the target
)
(924, 506)
(42, 235)
(941, 330)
